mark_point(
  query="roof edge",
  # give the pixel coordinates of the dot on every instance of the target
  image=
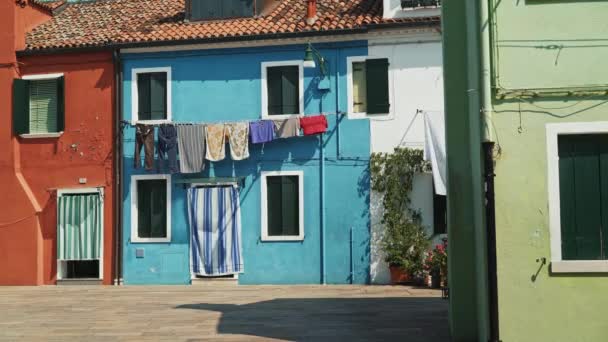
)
(114, 46)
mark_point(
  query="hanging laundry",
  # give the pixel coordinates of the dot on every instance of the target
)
(313, 124)
(216, 142)
(167, 146)
(144, 137)
(191, 145)
(238, 137)
(261, 131)
(287, 128)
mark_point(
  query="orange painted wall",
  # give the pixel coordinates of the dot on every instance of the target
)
(32, 169)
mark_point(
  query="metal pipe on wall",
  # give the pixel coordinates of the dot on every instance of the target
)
(118, 151)
(322, 200)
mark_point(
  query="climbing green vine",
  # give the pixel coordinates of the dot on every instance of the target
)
(404, 240)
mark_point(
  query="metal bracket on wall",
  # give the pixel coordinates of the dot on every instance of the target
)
(543, 262)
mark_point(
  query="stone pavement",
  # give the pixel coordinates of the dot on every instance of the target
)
(224, 312)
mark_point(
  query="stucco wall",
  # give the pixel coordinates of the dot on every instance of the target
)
(392, 9)
(538, 46)
(224, 85)
(417, 80)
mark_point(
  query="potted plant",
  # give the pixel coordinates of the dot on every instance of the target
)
(436, 264)
(403, 240)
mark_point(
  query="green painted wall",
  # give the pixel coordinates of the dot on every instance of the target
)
(543, 44)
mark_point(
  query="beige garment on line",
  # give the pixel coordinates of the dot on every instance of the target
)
(287, 128)
(216, 142)
(238, 137)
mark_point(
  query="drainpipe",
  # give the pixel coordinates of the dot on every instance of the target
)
(118, 171)
(323, 252)
(488, 147)
(352, 260)
(338, 112)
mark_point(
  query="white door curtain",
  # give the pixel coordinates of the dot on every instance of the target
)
(215, 223)
(79, 230)
(434, 147)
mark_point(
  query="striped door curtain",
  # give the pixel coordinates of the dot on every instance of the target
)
(79, 230)
(215, 223)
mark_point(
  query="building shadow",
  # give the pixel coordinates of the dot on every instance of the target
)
(409, 319)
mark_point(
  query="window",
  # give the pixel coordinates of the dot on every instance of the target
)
(363, 99)
(38, 105)
(219, 9)
(578, 196)
(151, 99)
(151, 208)
(440, 219)
(282, 89)
(282, 206)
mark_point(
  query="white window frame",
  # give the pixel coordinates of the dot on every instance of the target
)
(134, 237)
(349, 88)
(135, 95)
(265, 66)
(553, 131)
(264, 226)
(40, 77)
(77, 191)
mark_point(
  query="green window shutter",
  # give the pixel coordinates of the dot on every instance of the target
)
(237, 8)
(144, 111)
(158, 93)
(274, 199)
(44, 106)
(290, 89)
(60, 104)
(580, 198)
(290, 205)
(377, 86)
(21, 107)
(274, 85)
(603, 149)
(152, 208)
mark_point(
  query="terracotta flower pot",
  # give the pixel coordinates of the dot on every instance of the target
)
(398, 275)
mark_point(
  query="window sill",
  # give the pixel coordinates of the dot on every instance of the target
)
(579, 266)
(281, 116)
(40, 135)
(151, 122)
(282, 238)
(368, 116)
(141, 240)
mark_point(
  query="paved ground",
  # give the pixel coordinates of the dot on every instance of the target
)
(222, 312)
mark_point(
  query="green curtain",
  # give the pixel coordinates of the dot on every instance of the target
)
(79, 227)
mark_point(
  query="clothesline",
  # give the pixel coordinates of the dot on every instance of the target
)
(185, 123)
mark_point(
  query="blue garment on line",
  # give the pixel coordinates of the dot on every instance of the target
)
(167, 146)
(261, 131)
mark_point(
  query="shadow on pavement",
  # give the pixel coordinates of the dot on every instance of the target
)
(345, 319)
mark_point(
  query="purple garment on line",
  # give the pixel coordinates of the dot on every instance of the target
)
(261, 131)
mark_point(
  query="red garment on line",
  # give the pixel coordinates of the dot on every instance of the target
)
(313, 124)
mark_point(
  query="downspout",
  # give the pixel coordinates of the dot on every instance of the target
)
(323, 251)
(488, 147)
(117, 168)
(338, 112)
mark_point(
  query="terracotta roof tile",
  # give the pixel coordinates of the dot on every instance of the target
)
(106, 23)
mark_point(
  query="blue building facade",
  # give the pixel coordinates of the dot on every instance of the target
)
(225, 85)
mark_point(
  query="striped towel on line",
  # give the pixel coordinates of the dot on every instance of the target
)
(191, 146)
(215, 223)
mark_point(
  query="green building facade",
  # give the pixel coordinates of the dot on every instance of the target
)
(531, 77)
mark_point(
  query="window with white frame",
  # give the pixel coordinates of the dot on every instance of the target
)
(578, 192)
(38, 102)
(151, 95)
(282, 89)
(282, 206)
(368, 86)
(151, 208)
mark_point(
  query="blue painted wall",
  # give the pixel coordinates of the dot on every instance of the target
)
(224, 85)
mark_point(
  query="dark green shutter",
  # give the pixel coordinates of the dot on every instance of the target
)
(377, 86)
(143, 97)
(274, 207)
(158, 96)
(21, 107)
(290, 206)
(275, 97)
(580, 197)
(152, 208)
(60, 104)
(290, 89)
(237, 8)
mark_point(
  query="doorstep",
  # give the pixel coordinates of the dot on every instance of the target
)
(82, 281)
(215, 281)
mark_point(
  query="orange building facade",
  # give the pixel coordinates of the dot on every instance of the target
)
(35, 169)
